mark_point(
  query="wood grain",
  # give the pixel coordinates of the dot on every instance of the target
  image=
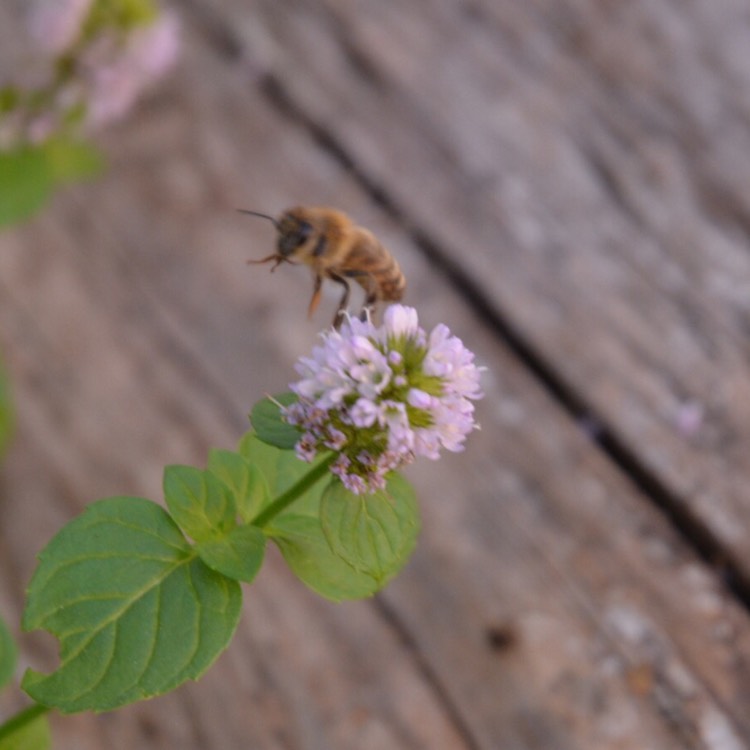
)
(548, 605)
(581, 171)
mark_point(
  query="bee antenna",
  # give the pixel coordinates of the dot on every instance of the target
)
(262, 216)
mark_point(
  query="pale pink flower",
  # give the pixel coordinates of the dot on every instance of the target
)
(392, 389)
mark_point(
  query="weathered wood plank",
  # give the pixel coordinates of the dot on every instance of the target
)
(128, 312)
(585, 166)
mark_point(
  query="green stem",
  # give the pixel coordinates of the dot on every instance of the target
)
(301, 486)
(22, 719)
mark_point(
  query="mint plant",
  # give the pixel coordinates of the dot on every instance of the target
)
(143, 598)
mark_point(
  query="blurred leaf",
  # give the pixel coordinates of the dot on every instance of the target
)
(269, 425)
(32, 736)
(8, 654)
(9, 96)
(26, 181)
(72, 160)
(29, 175)
(136, 612)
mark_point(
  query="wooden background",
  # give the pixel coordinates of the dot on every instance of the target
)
(567, 186)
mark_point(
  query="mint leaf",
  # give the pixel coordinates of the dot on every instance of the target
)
(269, 425)
(29, 174)
(375, 533)
(70, 160)
(135, 611)
(8, 654)
(32, 736)
(282, 469)
(245, 481)
(307, 552)
(26, 181)
(200, 503)
(237, 555)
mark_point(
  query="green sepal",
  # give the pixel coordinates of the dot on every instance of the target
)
(201, 504)
(245, 480)
(307, 552)
(269, 424)
(136, 612)
(237, 555)
(8, 654)
(373, 532)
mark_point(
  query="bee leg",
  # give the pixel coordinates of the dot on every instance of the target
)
(315, 301)
(278, 258)
(371, 298)
(339, 315)
(273, 256)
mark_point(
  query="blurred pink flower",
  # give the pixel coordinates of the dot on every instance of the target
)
(73, 81)
(54, 25)
(117, 70)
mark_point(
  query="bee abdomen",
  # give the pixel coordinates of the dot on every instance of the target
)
(370, 262)
(391, 281)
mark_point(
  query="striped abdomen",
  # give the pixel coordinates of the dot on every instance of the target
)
(374, 268)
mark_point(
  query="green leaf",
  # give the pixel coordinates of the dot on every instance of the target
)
(6, 412)
(8, 654)
(237, 555)
(136, 612)
(200, 503)
(307, 552)
(26, 182)
(30, 173)
(72, 160)
(9, 98)
(375, 533)
(281, 469)
(34, 735)
(245, 481)
(269, 425)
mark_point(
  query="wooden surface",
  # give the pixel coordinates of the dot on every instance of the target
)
(567, 186)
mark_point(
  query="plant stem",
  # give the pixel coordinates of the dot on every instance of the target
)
(21, 719)
(301, 486)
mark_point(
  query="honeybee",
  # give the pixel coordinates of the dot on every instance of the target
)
(335, 248)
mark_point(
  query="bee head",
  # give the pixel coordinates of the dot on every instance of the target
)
(300, 233)
(295, 231)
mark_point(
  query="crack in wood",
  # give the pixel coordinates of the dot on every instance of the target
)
(410, 644)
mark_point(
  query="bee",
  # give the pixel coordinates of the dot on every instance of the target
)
(335, 248)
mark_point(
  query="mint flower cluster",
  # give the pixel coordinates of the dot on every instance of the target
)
(87, 63)
(380, 396)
